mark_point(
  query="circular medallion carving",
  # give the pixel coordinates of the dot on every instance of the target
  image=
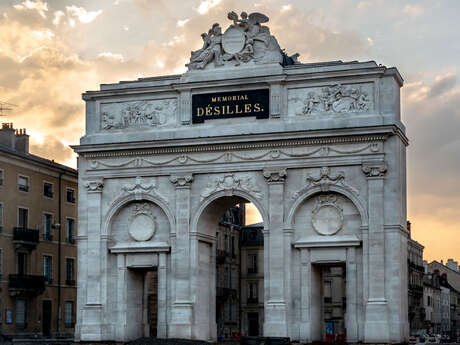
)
(327, 217)
(142, 226)
(233, 40)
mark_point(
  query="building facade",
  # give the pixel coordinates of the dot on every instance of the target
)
(319, 149)
(38, 252)
(432, 303)
(416, 272)
(252, 280)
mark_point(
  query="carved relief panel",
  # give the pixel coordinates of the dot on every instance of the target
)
(137, 114)
(331, 100)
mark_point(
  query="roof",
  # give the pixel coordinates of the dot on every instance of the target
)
(38, 160)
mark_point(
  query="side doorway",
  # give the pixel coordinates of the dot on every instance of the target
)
(46, 317)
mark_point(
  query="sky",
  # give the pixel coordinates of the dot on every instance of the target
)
(53, 51)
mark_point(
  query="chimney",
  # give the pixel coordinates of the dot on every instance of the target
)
(22, 141)
(453, 265)
(7, 135)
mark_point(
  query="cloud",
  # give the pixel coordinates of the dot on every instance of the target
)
(182, 22)
(206, 5)
(51, 147)
(38, 5)
(58, 16)
(413, 10)
(442, 85)
(82, 14)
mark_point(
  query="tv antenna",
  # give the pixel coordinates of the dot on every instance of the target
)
(5, 107)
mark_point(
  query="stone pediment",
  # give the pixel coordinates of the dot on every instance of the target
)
(246, 42)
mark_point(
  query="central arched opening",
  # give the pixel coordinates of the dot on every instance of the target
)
(236, 267)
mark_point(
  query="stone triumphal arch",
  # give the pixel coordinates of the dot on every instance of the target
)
(318, 148)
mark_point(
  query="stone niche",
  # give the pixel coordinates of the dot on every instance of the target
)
(140, 221)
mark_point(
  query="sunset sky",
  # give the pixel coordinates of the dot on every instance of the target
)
(52, 51)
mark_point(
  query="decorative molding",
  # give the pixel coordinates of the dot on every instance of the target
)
(275, 176)
(274, 154)
(94, 186)
(374, 169)
(229, 183)
(324, 180)
(327, 216)
(182, 181)
(138, 188)
(270, 145)
(137, 114)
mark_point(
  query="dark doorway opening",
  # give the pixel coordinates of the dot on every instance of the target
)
(253, 324)
(46, 318)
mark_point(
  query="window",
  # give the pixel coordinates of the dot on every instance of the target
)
(226, 242)
(252, 292)
(217, 241)
(48, 268)
(69, 275)
(233, 245)
(22, 263)
(21, 313)
(48, 189)
(1, 217)
(68, 314)
(1, 263)
(70, 230)
(252, 263)
(1, 177)
(47, 224)
(70, 195)
(23, 217)
(23, 183)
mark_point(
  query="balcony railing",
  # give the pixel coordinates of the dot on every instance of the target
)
(24, 284)
(225, 293)
(47, 236)
(221, 255)
(252, 270)
(29, 236)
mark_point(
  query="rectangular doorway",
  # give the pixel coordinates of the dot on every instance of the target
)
(253, 324)
(152, 301)
(333, 288)
(46, 318)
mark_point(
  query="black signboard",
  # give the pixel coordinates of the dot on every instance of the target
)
(225, 105)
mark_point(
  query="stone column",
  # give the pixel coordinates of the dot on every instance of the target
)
(162, 296)
(376, 328)
(305, 294)
(92, 319)
(275, 323)
(122, 300)
(182, 309)
(351, 322)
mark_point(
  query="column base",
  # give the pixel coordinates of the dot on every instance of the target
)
(376, 327)
(275, 324)
(181, 320)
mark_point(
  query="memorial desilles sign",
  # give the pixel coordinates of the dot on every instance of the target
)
(225, 105)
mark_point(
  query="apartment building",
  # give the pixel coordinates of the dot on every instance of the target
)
(38, 253)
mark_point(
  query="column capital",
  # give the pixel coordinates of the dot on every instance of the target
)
(275, 175)
(94, 186)
(181, 181)
(372, 170)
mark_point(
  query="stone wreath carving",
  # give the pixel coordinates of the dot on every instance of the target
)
(229, 183)
(327, 216)
(246, 40)
(142, 222)
(137, 114)
(336, 99)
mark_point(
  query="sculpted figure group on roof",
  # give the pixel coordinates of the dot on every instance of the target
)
(244, 41)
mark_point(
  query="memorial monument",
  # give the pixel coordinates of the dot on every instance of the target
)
(318, 148)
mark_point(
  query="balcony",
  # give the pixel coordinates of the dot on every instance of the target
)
(24, 285)
(47, 236)
(25, 238)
